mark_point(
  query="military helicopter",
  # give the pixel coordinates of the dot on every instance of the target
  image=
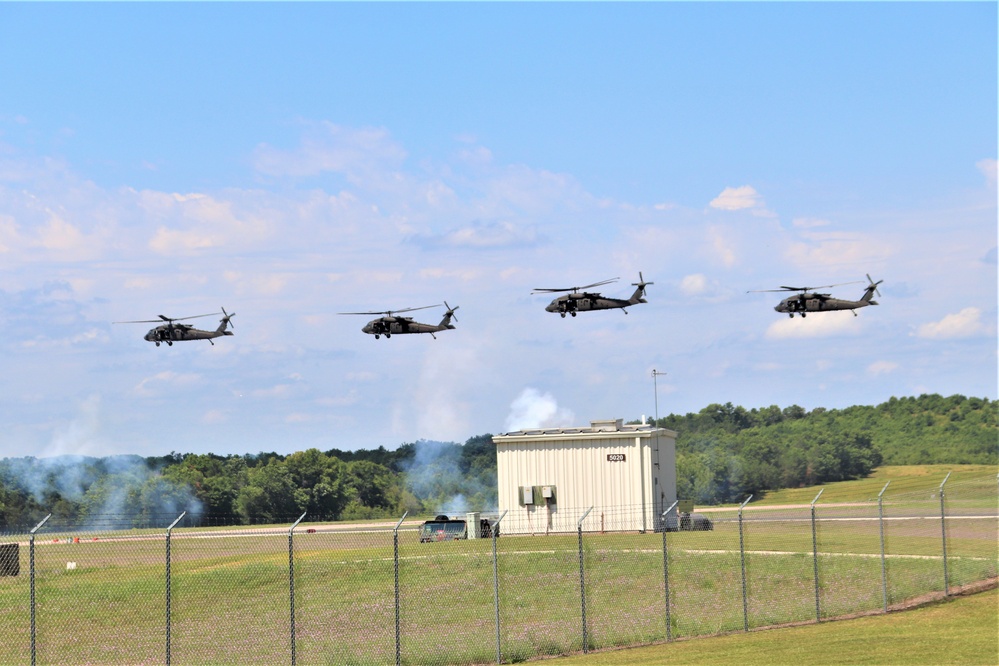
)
(578, 300)
(390, 323)
(172, 331)
(809, 301)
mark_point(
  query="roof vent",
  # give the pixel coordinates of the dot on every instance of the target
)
(608, 424)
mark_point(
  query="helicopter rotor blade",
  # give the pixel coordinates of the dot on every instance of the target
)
(803, 289)
(164, 318)
(874, 284)
(540, 290)
(641, 281)
(389, 313)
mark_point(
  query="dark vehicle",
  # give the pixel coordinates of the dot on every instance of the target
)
(444, 528)
(688, 522)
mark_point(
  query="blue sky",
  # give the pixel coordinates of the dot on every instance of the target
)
(292, 161)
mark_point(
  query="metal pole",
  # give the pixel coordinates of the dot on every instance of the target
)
(499, 653)
(881, 527)
(742, 557)
(31, 576)
(655, 385)
(582, 578)
(669, 620)
(168, 584)
(943, 535)
(291, 581)
(395, 557)
(815, 558)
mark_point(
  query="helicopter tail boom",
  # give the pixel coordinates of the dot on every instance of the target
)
(224, 322)
(639, 295)
(869, 292)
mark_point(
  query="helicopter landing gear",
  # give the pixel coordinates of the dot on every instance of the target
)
(169, 343)
(388, 335)
(563, 314)
(157, 344)
(377, 336)
(573, 314)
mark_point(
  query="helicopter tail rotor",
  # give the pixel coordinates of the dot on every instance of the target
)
(872, 288)
(226, 321)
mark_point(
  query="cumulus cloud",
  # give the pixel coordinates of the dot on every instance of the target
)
(964, 324)
(482, 235)
(693, 285)
(737, 198)
(326, 147)
(988, 169)
(819, 325)
(881, 368)
(163, 381)
(533, 409)
(836, 249)
(808, 222)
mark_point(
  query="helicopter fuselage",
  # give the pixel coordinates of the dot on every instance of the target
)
(395, 325)
(573, 303)
(805, 303)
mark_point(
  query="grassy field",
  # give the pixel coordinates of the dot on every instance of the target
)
(230, 589)
(962, 631)
(904, 479)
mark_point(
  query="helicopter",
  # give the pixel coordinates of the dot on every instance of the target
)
(390, 323)
(578, 300)
(172, 331)
(809, 301)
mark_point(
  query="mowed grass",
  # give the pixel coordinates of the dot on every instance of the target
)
(977, 480)
(960, 631)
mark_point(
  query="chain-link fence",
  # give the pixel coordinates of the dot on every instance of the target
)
(376, 593)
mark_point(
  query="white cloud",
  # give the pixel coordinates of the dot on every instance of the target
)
(533, 409)
(965, 324)
(326, 147)
(818, 325)
(692, 285)
(988, 168)
(808, 222)
(837, 249)
(737, 198)
(881, 368)
(152, 386)
(722, 246)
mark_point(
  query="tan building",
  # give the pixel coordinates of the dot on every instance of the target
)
(549, 477)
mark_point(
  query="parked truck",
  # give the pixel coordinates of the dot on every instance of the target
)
(445, 528)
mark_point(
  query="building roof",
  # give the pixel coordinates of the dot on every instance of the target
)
(612, 428)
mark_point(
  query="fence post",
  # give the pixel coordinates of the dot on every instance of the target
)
(291, 581)
(168, 585)
(669, 620)
(881, 528)
(742, 558)
(815, 558)
(582, 578)
(943, 534)
(31, 576)
(395, 558)
(495, 533)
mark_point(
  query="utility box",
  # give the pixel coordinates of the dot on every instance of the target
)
(527, 495)
(472, 519)
(10, 559)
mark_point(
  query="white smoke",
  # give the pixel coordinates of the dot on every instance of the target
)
(532, 409)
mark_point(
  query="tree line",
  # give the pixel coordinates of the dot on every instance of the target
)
(724, 454)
